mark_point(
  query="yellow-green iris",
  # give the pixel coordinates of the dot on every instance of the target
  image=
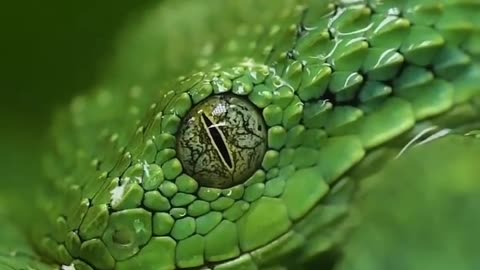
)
(222, 141)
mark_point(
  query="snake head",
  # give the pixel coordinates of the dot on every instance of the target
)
(243, 164)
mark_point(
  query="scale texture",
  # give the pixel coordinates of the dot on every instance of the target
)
(341, 86)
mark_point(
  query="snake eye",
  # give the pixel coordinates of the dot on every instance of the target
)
(222, 141)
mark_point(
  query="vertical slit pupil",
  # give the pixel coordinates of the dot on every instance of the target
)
(218, 140)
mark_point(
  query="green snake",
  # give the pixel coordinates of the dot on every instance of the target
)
(233, 135)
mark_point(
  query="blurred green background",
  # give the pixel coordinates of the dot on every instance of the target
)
(49, 51)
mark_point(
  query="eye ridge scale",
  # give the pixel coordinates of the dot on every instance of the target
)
(222, 141)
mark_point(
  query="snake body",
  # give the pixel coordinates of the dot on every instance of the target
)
(339, 87)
